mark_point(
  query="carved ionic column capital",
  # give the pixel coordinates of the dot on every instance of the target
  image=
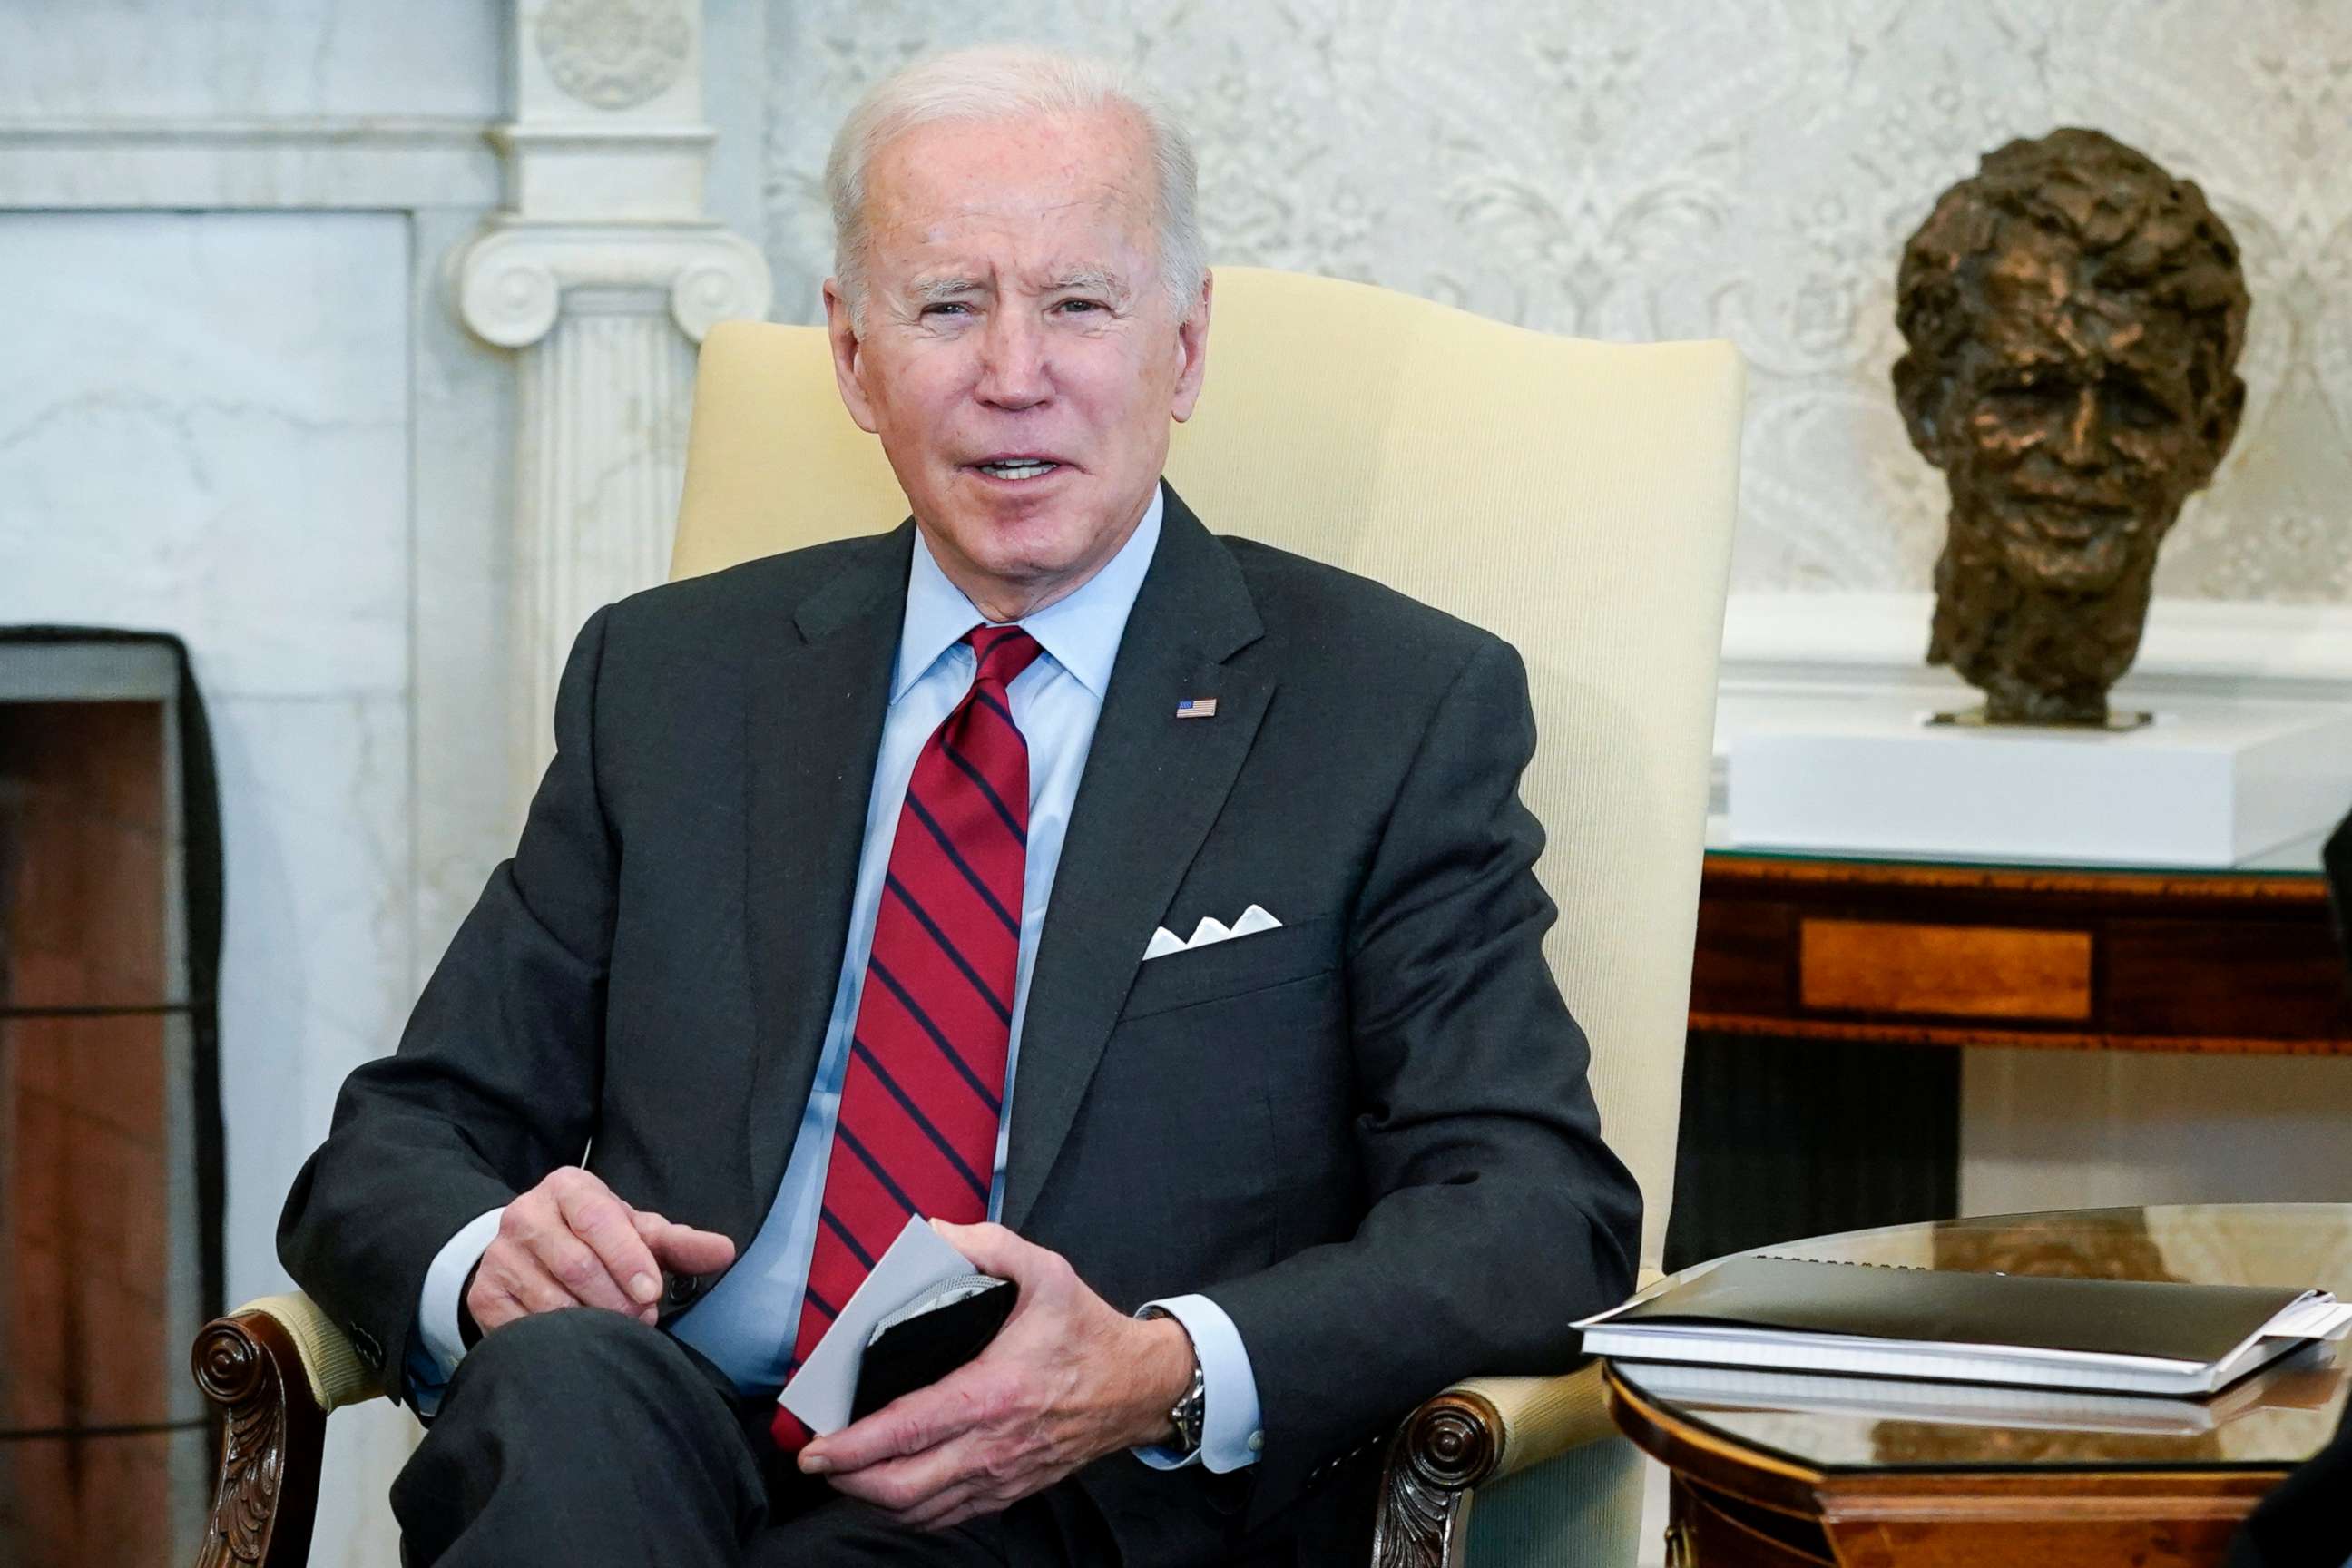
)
(511, 280)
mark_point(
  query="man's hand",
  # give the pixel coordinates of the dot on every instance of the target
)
(569, 1242)
(1068, 1379)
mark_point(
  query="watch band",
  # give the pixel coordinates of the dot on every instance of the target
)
(1187, 1414)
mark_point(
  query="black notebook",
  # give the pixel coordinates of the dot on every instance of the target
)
(2121, 1336)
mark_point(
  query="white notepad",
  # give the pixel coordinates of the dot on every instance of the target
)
(917, 1264)
(1998, 1406)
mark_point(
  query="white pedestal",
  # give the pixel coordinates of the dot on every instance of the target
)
(2209, 783)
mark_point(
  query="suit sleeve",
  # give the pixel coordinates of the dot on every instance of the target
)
(1496, 1215)
(496, 1081)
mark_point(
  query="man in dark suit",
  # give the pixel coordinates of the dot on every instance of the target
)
(1153, 912)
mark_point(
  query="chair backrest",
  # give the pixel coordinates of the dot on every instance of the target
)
(1576, 498)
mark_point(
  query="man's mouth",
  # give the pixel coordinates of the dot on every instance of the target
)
(2072, 519)
(1017, 469)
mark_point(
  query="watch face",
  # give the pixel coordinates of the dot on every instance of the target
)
(1189, 1411)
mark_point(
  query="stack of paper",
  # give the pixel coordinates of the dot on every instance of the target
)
(2122, 1336)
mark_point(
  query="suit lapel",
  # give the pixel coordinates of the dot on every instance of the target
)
(1153, 784)
(814, 713)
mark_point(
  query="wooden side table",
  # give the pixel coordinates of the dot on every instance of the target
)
(1730, 1507)
(1831, 948)
(1860, 1474)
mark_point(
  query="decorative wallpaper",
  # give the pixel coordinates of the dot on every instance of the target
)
(1645, 169)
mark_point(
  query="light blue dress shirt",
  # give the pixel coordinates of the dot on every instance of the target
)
(746, 1324)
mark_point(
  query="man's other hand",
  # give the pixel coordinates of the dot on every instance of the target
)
(569, 1242)
(1068, 1379)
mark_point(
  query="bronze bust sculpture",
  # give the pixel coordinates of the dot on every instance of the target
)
(2074, 316)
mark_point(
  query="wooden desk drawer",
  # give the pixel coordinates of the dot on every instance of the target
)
(1911, 969)
(1970, 955)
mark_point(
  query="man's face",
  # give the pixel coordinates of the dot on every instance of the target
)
(1021, 360)
(2073, 429)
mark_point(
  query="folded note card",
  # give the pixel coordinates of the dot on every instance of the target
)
(918, 1263)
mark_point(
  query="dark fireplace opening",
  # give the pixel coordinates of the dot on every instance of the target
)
(110, 1125)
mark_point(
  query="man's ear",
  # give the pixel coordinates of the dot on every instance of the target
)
(1192, 342)
(848, 357)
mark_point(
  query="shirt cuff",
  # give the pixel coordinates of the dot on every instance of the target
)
(443, 1344)
(1232, 1434)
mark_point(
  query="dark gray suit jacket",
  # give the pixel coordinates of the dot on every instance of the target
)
(1366, 1135)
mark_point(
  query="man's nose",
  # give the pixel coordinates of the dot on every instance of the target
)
(2081, 441)
(1013, 371)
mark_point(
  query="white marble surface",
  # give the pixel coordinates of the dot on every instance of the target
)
(204, 427)
(735, 103)
(314, 969)
(465, 739)
(250, 58)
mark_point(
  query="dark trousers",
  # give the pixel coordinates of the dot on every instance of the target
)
(584, 1437)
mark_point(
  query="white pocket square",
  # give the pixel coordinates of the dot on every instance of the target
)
(1209, 932)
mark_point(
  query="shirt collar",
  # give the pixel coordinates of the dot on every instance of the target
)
(1080, 631)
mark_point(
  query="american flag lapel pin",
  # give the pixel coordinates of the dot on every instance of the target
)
(1197, 708)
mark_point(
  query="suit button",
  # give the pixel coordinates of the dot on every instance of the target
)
(1258, 1442)
(681, 1289)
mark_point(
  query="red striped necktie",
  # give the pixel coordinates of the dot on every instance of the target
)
(916, 1132)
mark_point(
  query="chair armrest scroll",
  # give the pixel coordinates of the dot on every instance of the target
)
(1476, 1432)
(1543, 1417)
(275, 1367)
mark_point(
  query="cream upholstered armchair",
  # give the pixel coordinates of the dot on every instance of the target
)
(1576, 498)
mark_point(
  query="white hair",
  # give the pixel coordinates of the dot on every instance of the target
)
(1008, 83)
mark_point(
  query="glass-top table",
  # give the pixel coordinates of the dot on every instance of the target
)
(2274, 1419)
(2296, 857)
(1785, 1470)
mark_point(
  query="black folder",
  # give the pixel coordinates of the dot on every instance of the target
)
(2121, 1336)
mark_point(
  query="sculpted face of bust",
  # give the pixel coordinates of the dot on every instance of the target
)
(2074, 316)
(2070, 431)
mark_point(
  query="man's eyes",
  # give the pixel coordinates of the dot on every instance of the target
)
(1072, 306)
(2124, 400)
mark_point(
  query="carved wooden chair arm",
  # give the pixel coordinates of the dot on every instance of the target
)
(275, 1367)
(1473, 1434)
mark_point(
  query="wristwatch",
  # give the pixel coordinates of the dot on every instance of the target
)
(1187, 1413)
